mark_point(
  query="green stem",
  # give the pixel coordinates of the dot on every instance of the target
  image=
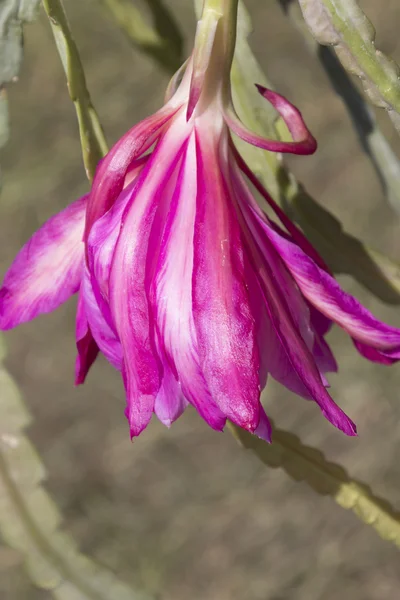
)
(228, 10)
(93, 142)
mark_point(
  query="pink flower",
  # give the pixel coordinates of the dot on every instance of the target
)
(185, 285)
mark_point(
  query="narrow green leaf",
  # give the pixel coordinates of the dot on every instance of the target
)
(163, 41)
(304, 463)
(343, 25)
(93, 143)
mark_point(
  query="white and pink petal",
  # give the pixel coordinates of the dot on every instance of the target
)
(47, 270)
(224, 323)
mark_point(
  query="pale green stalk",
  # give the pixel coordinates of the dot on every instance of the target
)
(94, 145)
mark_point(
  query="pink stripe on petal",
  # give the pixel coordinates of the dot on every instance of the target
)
(224, 323)
(304, 142)
(171, 293)
(47, 270)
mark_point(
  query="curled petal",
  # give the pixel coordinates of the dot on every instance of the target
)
(47, 270)
(224, 323)
(303, 141)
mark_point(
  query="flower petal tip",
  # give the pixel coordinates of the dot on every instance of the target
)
(264, 429)
(344, 423)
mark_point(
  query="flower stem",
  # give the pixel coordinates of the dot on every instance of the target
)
(94, 145)
(228, 11)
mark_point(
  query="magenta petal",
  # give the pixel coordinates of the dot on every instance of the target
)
(104, 335)
(383, 357)
(103, 238)
(129, 307)
(171, 293)
(86, 346)
(270, 271)
(296, 350)
(224, 323)
(298, 236)
(47, 270)
(170, 401)
(325, 294)
(273, 358)
(323, 356)
(303, 141)
(142, 369)
(264, 429)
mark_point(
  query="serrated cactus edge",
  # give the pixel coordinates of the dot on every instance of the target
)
(343, 25)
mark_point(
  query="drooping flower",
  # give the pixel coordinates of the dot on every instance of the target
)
(185, 284)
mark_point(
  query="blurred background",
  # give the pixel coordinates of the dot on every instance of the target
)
(187, 513)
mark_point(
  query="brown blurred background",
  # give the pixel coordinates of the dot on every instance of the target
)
(186, 513)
